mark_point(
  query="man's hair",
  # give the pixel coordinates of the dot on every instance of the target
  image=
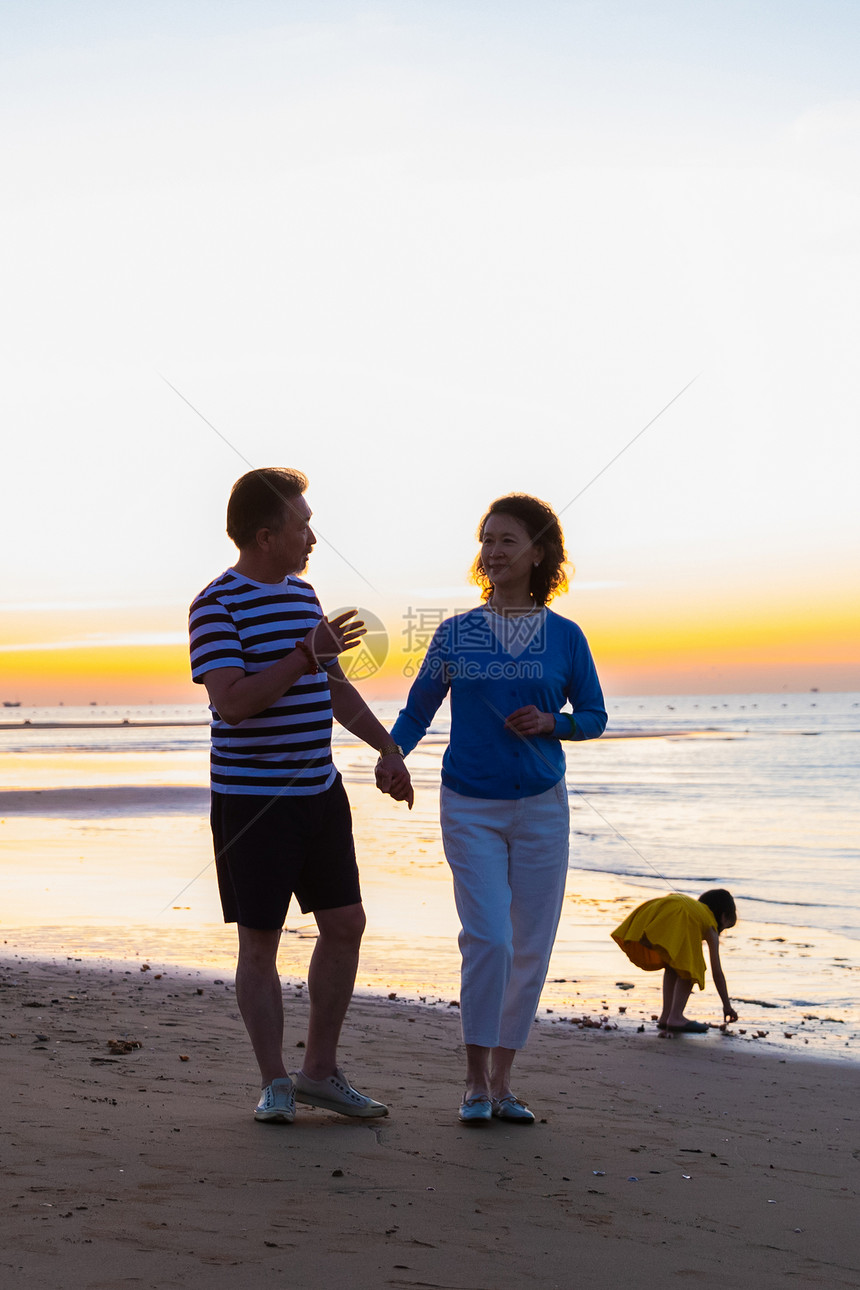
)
(259, 500)
(542, 525)
(719, 901)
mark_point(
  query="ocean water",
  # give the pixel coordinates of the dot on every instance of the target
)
(756, 793)
(104, 843)
(760, 794)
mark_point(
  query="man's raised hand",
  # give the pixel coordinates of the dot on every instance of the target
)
(333, 636)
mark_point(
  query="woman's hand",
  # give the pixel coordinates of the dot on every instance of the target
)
(331, 637)
(729, 1013)
(530, 721)
(393, 778)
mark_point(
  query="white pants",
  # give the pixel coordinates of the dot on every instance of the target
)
(509, 862)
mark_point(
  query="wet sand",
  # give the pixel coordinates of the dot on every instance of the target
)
(126, 1165)
(123, 870)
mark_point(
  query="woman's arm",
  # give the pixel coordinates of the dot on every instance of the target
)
(712, 938)
(425, 696)
(582, 689)
(586, 697)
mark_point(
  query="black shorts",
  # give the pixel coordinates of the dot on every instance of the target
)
(268, 849)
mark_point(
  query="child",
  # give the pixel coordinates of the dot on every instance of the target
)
(668, 933)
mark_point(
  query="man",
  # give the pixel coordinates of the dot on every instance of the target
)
(281, 822)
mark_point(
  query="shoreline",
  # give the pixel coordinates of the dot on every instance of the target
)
(687, 1156)
(123, 866)
(127, 724)
(115, 872)
(614, 1002)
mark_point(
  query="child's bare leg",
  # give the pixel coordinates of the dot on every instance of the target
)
(670, 976)
(681, 991)
(676, 992)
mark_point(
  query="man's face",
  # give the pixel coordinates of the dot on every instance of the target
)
(293, 542)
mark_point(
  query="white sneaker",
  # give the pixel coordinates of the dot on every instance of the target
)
(335, 1094)
(277, 1104)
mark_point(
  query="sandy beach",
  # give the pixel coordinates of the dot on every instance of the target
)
(131, 1157)
(129, 1150)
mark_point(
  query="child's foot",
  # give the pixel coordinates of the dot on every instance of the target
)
(661, 1023)
(690, 1028)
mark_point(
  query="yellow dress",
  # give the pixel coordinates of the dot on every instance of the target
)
(668, 932)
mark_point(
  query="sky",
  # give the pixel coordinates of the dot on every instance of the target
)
(602, 251)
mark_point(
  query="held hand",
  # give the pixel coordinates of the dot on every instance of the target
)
(530, 721)
(393, 778)
(331, 637)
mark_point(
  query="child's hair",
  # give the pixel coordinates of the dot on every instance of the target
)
(720, 902)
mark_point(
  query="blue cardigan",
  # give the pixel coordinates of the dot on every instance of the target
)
(487, 683)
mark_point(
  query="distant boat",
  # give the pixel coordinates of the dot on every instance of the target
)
(11, 703)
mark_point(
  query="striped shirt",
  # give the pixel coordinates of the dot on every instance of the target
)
(285, 749)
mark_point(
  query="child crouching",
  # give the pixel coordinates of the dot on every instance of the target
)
(668, 933)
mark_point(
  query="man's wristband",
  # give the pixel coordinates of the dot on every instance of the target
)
(310, 656)
(388, 750)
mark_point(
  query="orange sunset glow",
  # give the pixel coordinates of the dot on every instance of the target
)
(623, 280)
(683, 649)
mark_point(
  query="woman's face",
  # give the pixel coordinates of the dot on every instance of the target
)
(508, 553)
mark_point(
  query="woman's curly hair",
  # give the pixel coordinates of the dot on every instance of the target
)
(540, 521)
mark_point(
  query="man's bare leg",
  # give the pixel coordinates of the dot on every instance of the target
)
(331, 978)
(261, 1003)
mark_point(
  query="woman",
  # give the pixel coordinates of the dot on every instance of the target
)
(510, 666)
